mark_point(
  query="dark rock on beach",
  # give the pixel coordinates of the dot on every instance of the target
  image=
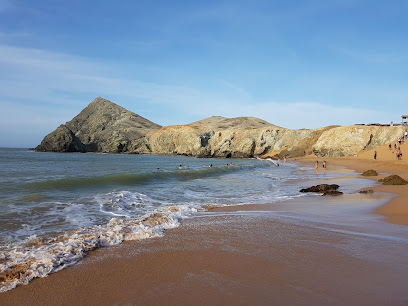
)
(370, 173)
(332, 193)
(393, 180)
(321, 188)
(369, 191)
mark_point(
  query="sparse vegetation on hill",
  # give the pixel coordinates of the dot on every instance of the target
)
(104, 126)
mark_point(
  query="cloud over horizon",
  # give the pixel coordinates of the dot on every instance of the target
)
(184, 63)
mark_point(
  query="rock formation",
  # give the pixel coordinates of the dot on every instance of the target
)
(321, 188)
(393, 180)
(102, 126)
(106, 127)
(370, 172)
(236, 137)
(349, 140)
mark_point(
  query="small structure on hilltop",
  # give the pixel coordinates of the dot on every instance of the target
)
(404, 119)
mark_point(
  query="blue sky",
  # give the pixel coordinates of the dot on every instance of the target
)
(297, 64)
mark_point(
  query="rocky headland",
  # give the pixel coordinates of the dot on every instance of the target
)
(104, 126)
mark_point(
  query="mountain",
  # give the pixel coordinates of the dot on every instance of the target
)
(102, 126)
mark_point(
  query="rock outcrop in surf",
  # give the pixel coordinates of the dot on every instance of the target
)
(104, 126)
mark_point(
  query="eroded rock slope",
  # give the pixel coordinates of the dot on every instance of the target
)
(104, 126)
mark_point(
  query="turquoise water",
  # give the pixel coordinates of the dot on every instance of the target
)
(55, 207)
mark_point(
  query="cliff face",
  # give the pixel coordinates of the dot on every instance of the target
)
(102, 126)
(350, 140)
(106, 127)
(200, 140)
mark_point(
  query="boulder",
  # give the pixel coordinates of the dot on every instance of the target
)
(369, 191)
(370, 173)
(393, 180)
(321, 188)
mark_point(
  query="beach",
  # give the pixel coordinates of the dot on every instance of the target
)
(396, 210)
(311, 250)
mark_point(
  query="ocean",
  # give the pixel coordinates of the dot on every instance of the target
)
(55, 207)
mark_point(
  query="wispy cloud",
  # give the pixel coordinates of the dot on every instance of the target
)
(372, 56)
(239, 90)
(41, 89)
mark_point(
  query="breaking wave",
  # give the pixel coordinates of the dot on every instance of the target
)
(40, 257)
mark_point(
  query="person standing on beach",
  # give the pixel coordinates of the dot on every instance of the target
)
(324, 167)
(316, 167)
(375, 155)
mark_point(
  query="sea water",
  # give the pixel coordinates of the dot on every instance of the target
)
(55, 207)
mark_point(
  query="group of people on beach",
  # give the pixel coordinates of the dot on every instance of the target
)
(397, 146)
(317, 167)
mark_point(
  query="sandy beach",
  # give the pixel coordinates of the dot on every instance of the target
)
(308, 251)
(396, 210)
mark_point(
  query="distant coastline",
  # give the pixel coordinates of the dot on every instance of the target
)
(106, 127)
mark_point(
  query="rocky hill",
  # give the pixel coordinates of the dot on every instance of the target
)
(102, 126)
(106, 127)
(222, 123)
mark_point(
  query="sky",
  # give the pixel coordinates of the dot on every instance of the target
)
(295, 63)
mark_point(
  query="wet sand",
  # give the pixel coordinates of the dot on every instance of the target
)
(311, 250)
(396, 210)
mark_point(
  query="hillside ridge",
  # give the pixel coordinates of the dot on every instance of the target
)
(104, 126)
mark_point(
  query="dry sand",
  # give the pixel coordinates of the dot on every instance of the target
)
(308, 251)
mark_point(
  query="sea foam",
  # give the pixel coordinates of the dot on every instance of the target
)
(38, 257)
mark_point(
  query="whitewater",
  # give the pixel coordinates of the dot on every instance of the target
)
(56, 207)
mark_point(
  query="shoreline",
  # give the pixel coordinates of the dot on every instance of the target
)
(396, 210)
(300, 251)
